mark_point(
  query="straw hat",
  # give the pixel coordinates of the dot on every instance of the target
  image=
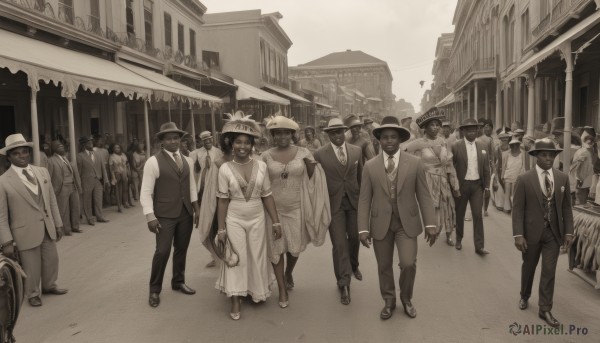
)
(469, 122)
(282, 122)
(14, 141)
(431, 114)
(352, 120)
(241, 123)
(391, 122)
(169, 127)
(335, 124)
(514, 140)
(205, 135)
(544, 144)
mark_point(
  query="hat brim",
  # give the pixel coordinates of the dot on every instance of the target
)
(404, 133)
(162, 133)
(5, 150)
(327, 129)
(355, 123)
(536, 151)
(469, 125)
(253, 134)
(423, 124)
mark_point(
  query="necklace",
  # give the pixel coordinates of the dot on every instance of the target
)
(241, 164)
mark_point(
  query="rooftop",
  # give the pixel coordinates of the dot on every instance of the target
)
(347, 57)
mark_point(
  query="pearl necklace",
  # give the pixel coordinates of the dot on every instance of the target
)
(241, 164)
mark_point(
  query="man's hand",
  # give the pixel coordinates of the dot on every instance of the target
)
(568, 241)
(431, 234)
(486, 192)
(196, 218)
(456, 193)
(365, 239)
(276, 232)
(521, 244)
(154, 226)
(9, 251)
(59, 233)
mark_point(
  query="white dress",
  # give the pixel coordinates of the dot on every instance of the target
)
(245, 225)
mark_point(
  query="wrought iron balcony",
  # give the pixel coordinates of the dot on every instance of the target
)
(561, 10)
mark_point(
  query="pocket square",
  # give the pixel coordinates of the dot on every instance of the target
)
(483, 152)
(356, 162)
(562, 189)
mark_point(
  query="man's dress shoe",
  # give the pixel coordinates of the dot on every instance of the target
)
(55, 291)
(388, 310)
(183, 288)
(103, 220)
(458, 245)
(35, 301)
(549, 319)
(523, 304)
(91, 222)
(154, 299)
(410, 310)
(481, 252)
(77, 230)
(358, 274)
(345, 298)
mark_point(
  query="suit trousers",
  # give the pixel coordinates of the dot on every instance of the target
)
(549, 248)
(68, 206)
(40, 263)
(92, 196)
(407, 255)
(470, 192)
(343, 232)
(175, 231)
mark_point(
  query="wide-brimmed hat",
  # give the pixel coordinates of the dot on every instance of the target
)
(205, 135)
(14, 141)
(469, 122)
(282, 122)
(391, 122)
(368, 121)
(558, 125)
(241, 123)
(335, 124)
(544, 144)
(529, 138)
(514, 140)
(352, 120)
(169, 127)
(518, 132)
(431, 114)
(588, 131)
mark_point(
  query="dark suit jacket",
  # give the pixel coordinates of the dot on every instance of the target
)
(55, 168)
(528, 208)
(88, 169)
(460, 158)
(412, 194)
(341, 180)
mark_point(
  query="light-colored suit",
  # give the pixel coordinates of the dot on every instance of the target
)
(93, 177)
(33, 229)
(67, 195)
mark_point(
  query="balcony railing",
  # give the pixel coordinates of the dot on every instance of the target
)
(560, 11)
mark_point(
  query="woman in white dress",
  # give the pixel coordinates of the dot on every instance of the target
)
(244, 194)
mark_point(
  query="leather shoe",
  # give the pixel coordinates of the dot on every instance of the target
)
(388, 309)
(458, 245)
(77, 230)
(91, 222)
(183, 288)
(358, 274)
(35, 301)
(55, 291)
(523, 304)
(549, 319)
(345, 298)
(103, 220)
(481, 252)
(154, 299)
(409, 309)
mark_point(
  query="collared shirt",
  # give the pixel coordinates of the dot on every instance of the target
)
(151, 173)
(472, 166)
(396, 157)
(336, 149)
(33, 188)
(542, 178)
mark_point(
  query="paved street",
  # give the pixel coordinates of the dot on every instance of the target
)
(459, 296)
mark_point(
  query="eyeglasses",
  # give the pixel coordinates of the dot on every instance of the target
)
(284, 174)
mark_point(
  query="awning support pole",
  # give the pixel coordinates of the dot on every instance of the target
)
(169, 109)
(498, 118)
(486, 101)
(212, 120)
(566, 52)
(193, 147)
(35, 133)
(181, 114)
(71, 119)
(530, 103)
(147, 130)
(476, 103)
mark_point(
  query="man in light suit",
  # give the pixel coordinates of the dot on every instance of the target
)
(393, 189)
(542, 220)
(30, 220)
(67, 187)
(342, 164)
(94, 180)
(471, 162)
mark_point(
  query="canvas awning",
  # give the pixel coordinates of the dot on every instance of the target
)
(322, 105)
(286, 93)
(248, 92)
(449, 99)
(374, 99)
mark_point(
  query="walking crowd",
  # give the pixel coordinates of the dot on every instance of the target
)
(267, 190)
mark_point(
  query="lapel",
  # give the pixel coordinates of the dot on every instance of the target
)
(17, 184)
(462, 149)
(558, 194)
(381, 173)
(479, 160)
(349, 161)
(171, 162)
(537, 187)
(402, 170)
(334, 160)
(42, 182)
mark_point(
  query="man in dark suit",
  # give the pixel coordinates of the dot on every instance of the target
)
(94, 180)
(343, 169)
(393, 189)
(542, 220)
(471, 162)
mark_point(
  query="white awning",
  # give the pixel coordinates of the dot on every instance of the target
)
(287, 93)
(374, 99)
(449, 99)
(69, 69)
(248, 92)
(167, 88)
(573, 33)
(323, 105)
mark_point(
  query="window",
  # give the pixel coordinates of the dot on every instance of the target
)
(168, 29)
(180, 38)
(525, 31)
(129, 17)
(192, 42)
(65, 10)
(210, 59)
(148, 34)
(95, 15)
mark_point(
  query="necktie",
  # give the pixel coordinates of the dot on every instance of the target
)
(548, 184)
(207, 161)
(342, 155)
(67, 163)
(390, 165)
(178, 161)
(29, 177)
(92, 156)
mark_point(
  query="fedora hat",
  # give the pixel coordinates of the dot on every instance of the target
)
(169, 127)
(352, 120)
(368, 121)
(14, 141)
(391, 122)
(431, 114)
(544, 144)
(469, 122)
(514, 140)
(335, 124)
(446, 123)
(205, 135)
(282, 122)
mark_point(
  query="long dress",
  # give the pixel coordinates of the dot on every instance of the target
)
(295, 211)
(245, 225)
(440, 176)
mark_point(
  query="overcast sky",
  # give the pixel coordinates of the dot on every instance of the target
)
(401, 32)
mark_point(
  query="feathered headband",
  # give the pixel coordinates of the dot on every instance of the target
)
(241, 123)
